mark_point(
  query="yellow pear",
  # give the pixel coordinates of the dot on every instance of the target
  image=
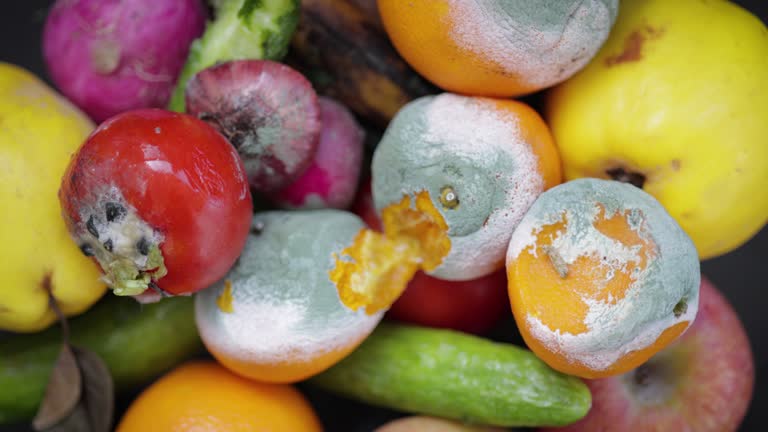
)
(39, 131)
(676, 101)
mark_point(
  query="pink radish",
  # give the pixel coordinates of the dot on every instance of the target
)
(111, 56)
(331, 181)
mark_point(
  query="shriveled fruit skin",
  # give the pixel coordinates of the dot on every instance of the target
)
(449, 374)
(39, 131)
(137, 343)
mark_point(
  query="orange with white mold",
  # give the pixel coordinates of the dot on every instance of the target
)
(277, 316)
(600, 278)
(473, 166)
(497, 47)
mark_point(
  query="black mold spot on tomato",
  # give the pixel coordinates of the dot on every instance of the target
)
(114, 211)
(143, 246)
(91, 226)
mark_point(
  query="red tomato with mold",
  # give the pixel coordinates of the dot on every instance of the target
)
(160, 200)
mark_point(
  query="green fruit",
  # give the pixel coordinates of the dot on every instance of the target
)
(241, 29)
(448, 374)
(137, 342)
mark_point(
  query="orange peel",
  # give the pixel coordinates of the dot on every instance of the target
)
(374, 270)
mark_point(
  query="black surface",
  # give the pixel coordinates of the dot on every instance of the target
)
(741, 274)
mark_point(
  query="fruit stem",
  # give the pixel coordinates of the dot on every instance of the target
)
(642, 374)
(125, 279)
(54, 305)
(680, 308)
(557, 261)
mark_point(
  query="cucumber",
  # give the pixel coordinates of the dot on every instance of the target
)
(137, 342)
(241, 29)
(453, 375)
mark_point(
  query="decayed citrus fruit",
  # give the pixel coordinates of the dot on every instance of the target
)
(308, 288)
(497, 47)
(601, 277)
(458, 173)
(206, 397)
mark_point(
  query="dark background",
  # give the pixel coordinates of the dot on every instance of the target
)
(741, 275)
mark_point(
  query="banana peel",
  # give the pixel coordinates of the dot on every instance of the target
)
(342, 48)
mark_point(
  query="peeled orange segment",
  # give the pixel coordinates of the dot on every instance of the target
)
(277, 315)
(475, 165)
(376, 268)
(600, 277)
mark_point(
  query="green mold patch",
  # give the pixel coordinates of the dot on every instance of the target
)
(610, 255)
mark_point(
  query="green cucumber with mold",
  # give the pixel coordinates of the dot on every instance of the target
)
(240, 29)
(137, 342)
(454, 375)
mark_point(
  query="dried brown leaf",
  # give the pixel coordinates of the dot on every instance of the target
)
(77, 421)
(62, 393)
(93, 409)
(98, 397)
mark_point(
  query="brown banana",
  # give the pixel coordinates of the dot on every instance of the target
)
(341, 47)
(371, 9)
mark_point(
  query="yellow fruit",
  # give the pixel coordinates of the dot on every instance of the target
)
(39, 131)
(678, 95)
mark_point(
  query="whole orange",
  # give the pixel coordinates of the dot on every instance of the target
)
(204, 396)
(497, 47)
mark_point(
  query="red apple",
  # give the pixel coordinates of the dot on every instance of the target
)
(701, 383)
